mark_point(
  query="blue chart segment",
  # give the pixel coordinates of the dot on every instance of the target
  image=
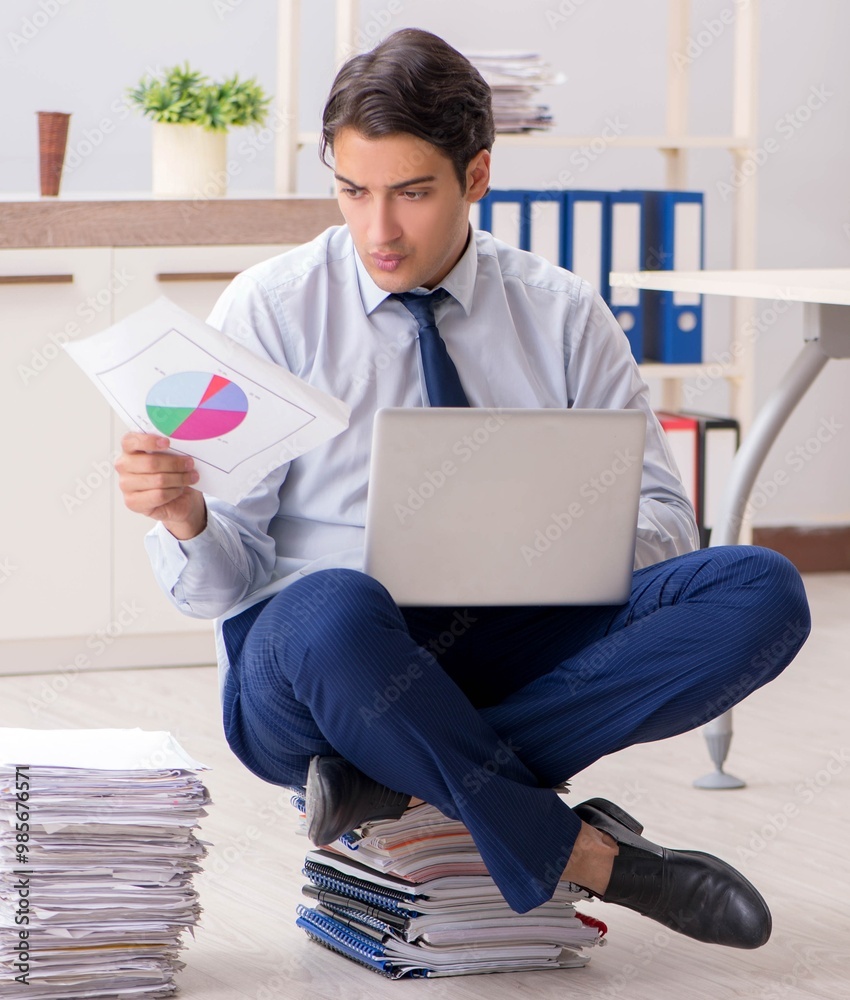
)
(195, 406)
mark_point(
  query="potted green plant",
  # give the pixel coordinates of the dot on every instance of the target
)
(191, 116)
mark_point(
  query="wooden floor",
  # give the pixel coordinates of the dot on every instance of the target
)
(787, 831)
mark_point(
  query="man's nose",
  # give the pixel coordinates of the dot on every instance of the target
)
(383, 225)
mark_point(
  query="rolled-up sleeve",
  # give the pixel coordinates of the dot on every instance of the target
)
(602, 374)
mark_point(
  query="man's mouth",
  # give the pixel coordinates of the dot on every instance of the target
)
(387, 261)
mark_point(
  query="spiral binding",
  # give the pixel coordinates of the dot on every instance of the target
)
(329, 878)
(348, 904)
(343, 914)
(314, 934)
(350, 937)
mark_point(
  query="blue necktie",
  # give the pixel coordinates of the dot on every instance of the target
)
(441, 377)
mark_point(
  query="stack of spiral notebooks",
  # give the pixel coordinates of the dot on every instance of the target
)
(412, 898)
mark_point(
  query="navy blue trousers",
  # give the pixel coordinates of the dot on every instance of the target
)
(481, 710)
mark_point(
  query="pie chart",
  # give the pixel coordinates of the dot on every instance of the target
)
(194, 406)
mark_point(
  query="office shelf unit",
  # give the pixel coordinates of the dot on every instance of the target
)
(674, 145)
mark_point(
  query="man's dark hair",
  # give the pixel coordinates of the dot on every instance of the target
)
(414, 83)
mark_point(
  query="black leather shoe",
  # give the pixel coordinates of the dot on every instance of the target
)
(688, 891)
(340, 798)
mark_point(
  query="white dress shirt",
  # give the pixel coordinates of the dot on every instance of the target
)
(521, 332)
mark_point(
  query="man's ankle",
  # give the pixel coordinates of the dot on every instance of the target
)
(592, 860)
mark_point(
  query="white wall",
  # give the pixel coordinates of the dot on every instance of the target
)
(83, 54)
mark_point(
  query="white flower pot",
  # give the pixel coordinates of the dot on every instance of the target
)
(188, 161)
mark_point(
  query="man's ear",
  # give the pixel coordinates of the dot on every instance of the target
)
(478, 176)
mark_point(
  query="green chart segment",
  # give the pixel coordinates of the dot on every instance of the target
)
(195, 406)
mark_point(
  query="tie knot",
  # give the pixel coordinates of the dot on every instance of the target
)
(422, 306)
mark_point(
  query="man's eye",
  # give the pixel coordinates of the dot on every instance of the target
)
(413, 195)
(351, 192)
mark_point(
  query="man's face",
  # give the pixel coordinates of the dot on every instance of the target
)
(404, 206)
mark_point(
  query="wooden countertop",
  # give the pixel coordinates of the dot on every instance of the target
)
(129, 221)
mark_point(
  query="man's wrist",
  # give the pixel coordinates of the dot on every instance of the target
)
(184, 530)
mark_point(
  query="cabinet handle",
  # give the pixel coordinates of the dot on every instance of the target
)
(36, 279)
(197, 276)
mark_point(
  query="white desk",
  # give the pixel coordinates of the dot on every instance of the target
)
(826, 332)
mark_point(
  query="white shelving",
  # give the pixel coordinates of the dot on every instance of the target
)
(674, 145)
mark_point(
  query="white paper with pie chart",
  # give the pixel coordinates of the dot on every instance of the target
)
(238, 415)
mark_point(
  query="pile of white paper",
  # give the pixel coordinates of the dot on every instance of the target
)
(515, 79)
(97, 857)
(412, 897)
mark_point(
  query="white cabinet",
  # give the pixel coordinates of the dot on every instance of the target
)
(55, 566)
(74, 574)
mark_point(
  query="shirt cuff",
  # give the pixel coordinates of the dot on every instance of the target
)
(169, 555)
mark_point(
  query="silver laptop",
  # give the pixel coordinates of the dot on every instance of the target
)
(484, 506)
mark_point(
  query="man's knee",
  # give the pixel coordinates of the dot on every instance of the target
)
(336, 597)
(779, 589)
(785, 600)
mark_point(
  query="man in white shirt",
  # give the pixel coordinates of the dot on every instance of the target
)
(326, 683)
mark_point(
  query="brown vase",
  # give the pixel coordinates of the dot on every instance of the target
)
(52, 138)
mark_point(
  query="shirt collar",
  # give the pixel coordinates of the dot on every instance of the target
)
(459, 282)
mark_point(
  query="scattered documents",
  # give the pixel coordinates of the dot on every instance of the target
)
(412, 898)
(239, 416)
(97, 857)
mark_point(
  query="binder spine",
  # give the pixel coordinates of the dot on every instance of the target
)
(628, 222)
(673, 322)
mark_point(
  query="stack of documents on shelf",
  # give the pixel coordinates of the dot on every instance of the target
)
(411, 898)
(97, 857)
(514, 79)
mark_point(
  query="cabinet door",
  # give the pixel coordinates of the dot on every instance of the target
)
(193, 277)
(57, 464)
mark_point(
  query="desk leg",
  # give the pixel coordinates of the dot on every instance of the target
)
(745, 469)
